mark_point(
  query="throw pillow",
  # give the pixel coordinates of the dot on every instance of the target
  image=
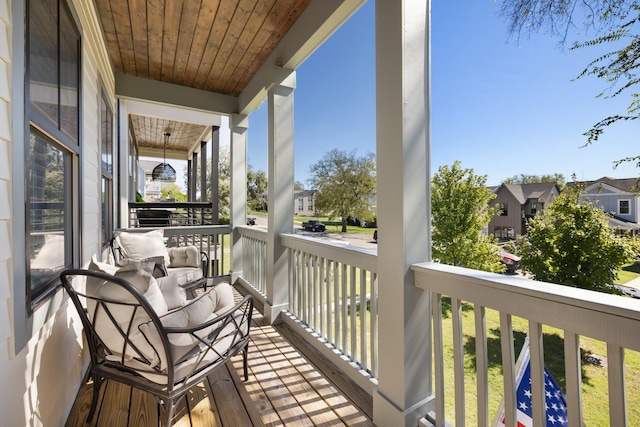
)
(184, 256)
(173, 293)
(159, 269)
(139, 275)
(225, 299)
(142, 245)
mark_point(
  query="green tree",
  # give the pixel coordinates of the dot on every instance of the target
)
(173, 191)
(344, 184)
(614, 24)
(460, 212)
(558, 178)
(571, 243)
(256, 186)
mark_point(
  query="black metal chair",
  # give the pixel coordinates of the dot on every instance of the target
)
(129, 343)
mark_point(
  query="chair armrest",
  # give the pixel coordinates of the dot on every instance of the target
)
(204, 263)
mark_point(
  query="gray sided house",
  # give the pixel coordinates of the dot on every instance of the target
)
(618, 197)
(517, 203)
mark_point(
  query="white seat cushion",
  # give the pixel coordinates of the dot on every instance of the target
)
(196, 312)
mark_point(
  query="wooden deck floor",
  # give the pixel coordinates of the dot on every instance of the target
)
(286, 386)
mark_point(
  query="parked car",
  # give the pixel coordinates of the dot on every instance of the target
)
(313, 225)
(627, 290)
(511, 261)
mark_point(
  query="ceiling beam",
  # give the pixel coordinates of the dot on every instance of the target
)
(153, 91)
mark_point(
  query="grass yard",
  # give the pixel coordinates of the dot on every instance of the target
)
(594, 376)
(628, 273)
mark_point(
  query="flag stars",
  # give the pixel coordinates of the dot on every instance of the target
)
(551, 419)
(523, 406)
(527, 393)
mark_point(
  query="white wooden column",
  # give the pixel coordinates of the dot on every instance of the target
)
(122, 183)
(239, 125)
(280, 193)
(403, 394)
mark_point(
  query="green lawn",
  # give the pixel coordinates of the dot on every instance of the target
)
(628, 273)
(594, 377)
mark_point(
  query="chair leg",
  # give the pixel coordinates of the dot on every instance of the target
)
(97, 381)
(169, 409)
(245, 352)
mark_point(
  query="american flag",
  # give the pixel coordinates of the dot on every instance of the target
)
(556, 405)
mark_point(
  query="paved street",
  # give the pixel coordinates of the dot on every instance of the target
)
(359, 240)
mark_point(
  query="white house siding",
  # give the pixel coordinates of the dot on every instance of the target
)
(40, 382)
(608, 200)
(7, 405)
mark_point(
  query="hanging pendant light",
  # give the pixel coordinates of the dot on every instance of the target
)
(164, 171)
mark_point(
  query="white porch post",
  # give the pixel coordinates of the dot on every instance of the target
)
(280, 193)
(122, 204)
(239, 126)
(404, 392)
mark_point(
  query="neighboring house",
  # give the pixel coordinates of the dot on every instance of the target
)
(305, 201)
(517, 203)
(618, 197)
(152, 188)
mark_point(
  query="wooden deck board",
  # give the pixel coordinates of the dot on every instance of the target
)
(285, 387)
(201, 409)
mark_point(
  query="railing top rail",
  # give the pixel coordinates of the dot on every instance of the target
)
(253, 232)
(357, 257)
(169, 205)
(609, 318)
(182, 230)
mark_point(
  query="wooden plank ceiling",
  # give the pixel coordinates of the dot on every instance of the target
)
(149, 132)
(212, 45)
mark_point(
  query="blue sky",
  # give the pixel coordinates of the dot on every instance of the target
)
(501, 107)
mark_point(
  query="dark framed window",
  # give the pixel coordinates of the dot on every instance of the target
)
(504, 209)
(106, 153)
(534, 208)
(50, 217)
(52, 146)
(504, 233)
(624, 207)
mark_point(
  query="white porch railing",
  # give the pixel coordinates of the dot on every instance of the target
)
(579, 313)
(254, 258)
(332, 297)
(333, 290)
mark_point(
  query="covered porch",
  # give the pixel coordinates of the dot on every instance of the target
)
(375, 320)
